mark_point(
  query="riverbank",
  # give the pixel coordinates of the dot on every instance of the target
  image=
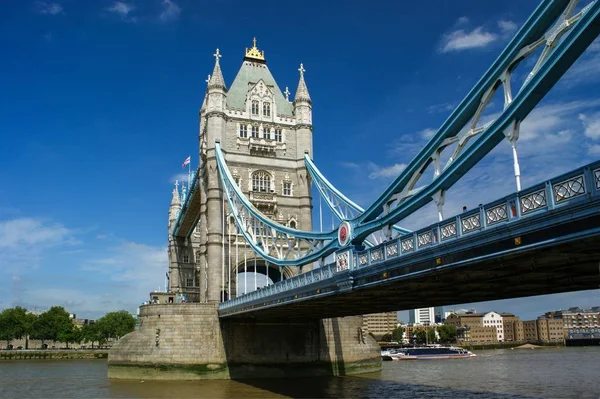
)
(53, 354)
(509, 345)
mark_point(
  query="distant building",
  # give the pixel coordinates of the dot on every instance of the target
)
(422, 316)
(380, 323)
(438, 312)
(581, 326)
(483, 328)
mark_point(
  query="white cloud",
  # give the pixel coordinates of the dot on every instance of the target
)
(45, 8)
(594, 150)
(121, 8)
(427, 133)
(180, 177)
(23, 233)
(170, 11)
(462, 21)
(461, 40)
(507, 27)
(591, 125)
(437, 108)
(387, 171)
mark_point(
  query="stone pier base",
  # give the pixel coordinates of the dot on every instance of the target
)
(188, 341)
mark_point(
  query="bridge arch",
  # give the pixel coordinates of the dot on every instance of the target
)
(250, 278)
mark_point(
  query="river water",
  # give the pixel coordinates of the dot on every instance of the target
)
(540, 373)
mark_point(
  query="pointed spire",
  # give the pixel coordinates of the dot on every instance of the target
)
(302, 91)
(216, 79)
(175, 200)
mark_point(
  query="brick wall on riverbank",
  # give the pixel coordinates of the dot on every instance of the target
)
(52, 354)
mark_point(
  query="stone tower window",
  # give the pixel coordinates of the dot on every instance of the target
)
(243, 131)
(266, 132)
(254, 107)
(261, 181)
(189, 282)
(287, 188)
(266, 109)
(293, 224)
(186, 258)
(255, 132)
(278, 135)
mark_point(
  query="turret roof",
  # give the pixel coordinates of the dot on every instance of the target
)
(253, 69)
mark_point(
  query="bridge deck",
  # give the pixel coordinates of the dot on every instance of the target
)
(556, 251)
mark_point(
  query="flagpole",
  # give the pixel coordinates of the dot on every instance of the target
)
(190, 172)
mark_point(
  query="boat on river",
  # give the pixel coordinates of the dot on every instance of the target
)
(426, 353)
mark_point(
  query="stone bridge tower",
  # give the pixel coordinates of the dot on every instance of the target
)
(264, 136)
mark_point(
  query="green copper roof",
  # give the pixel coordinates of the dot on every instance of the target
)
(251, 73)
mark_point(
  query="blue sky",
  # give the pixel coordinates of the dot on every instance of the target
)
(99, 103)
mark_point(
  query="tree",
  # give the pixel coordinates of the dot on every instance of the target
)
(447, 334)
(386, 337)
(91, 333)
(13, 324)
(397, 334)
(54, 325)
(115, 324)
(419, 335)
(431, 338)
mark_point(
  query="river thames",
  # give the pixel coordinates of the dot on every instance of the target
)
(540, 373)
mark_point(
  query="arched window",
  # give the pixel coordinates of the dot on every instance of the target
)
(266, 109)
(293, 224)
(254, 107)
(266, 132)
(261, 181)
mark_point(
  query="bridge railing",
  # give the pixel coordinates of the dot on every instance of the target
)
(576, 185)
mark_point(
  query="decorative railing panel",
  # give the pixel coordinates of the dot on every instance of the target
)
(533, 201)
(448, 230)
(597, 178)
(408, 244)
(496, 214)
(391, 250)
(568, 189)
(424, 239)
(471, 223)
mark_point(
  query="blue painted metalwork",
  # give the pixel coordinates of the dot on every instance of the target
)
(579, 186)
(564, 43)
(338, 203)
(194, 185)
(401, 198)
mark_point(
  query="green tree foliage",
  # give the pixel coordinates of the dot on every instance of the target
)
(419, 335)
(53, 325)
(115, 324)
(397, 334)
(386, 337)
(56, 325)
(447, 334)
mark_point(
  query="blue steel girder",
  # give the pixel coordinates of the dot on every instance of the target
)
(338, 203)
(401, 198)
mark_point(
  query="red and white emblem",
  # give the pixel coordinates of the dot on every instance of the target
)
(344, 233)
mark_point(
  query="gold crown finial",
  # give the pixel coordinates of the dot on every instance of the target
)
(254, 53)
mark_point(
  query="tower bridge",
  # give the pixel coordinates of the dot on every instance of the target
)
(248, 206)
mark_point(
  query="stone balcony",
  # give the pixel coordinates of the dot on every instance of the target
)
(264, 202)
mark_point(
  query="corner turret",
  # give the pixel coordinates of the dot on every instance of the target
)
(175, 207)
(303, 114)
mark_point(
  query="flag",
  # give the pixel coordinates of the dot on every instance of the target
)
(187, 161)
(167, 276)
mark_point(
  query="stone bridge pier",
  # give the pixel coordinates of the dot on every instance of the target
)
(188, 341)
